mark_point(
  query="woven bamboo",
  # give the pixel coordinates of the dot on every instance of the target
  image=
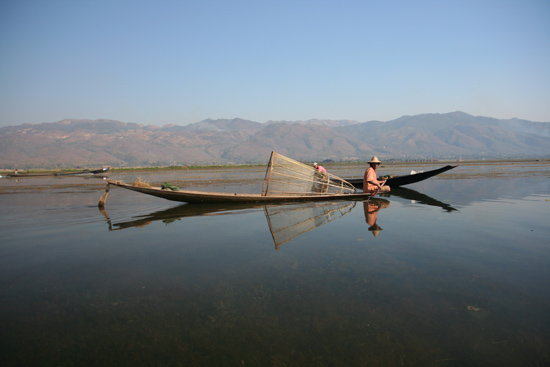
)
(285, 176)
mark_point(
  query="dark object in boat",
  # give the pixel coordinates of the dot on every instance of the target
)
(403, 180)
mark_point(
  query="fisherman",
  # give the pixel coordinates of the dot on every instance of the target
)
(320, 169)
(321, 179)
(370, 180)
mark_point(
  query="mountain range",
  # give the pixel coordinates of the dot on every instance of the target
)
(86, 143)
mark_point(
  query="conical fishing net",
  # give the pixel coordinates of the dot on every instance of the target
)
(285, 176)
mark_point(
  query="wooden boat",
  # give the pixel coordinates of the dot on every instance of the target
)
(77, 173)
(188, 196)
(84, 172)
(286, 180)
(404, 180)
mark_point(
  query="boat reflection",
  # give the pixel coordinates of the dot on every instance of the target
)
(417, 197)
(186, 210)
(285, 221)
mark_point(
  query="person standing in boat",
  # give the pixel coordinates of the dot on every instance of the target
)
(370, 179)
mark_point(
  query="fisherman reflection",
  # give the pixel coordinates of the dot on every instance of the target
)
(371, 209)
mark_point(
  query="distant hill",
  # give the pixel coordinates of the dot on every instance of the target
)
(330, 123)
(87, 143)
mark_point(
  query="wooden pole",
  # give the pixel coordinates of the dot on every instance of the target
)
(267, 177)
(103, 197)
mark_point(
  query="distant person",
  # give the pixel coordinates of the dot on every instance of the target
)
(371, 185)
(321, 179)
(319, 169)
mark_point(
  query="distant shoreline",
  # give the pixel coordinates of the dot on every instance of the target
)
(241, 166)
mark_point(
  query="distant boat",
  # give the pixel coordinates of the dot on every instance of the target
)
(85, 172)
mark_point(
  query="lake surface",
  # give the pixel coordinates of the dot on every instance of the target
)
(452, 271)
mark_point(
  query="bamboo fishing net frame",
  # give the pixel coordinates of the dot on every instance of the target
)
(285, 176)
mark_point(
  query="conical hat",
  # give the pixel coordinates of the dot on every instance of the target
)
(374, 160)
(375, 229)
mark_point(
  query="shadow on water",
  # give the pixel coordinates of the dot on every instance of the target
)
(418, 197)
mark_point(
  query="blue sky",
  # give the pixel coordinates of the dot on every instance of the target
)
(178, 62)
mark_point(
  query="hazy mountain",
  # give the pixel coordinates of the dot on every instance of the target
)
(305, 142)
(331, 123)
(454, 134)
(244, 126)
(85, 143)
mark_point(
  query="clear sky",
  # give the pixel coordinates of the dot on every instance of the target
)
(177, 62)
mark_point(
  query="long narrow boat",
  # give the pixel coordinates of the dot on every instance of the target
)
(189, 196)
(53, 174)
(84, 172)
(286, 180)
(404, 180)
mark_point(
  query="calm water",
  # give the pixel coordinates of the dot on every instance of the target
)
(454, 271)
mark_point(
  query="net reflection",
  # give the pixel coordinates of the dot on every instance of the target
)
(287, 222)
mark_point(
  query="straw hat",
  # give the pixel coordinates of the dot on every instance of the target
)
(374, 160)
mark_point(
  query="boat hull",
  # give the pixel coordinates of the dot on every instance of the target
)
(219, 197)
(404, 180)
